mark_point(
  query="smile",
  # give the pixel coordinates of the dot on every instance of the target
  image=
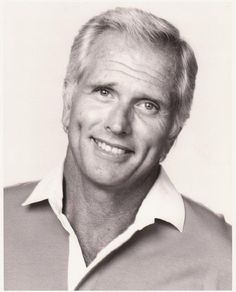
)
(111, 149)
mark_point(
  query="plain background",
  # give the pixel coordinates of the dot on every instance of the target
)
(38, 37)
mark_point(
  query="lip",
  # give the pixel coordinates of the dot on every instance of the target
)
(119, 146)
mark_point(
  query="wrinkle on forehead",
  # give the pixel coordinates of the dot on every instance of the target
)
(133, 76)
(141, 71)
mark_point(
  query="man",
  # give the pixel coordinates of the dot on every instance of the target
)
(109, 218)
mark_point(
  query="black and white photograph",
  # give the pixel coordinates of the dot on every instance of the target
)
(117, 152)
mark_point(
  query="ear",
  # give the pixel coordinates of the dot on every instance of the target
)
(65, 118)
(170, 140)
(68, 91)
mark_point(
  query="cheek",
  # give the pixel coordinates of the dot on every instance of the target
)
(84, 116)
(154, 128)
(156, 141)
(152, 135)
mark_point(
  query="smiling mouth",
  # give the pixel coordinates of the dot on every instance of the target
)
(111, 149)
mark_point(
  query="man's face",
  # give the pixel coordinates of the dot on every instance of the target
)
(120, 117)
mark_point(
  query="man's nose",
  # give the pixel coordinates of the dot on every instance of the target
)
(119, 120)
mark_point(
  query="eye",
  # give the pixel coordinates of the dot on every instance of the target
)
(148, 107)
(103, 91)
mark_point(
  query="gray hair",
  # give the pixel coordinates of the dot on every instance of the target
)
(144, 26)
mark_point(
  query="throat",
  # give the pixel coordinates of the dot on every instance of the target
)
(93, 240)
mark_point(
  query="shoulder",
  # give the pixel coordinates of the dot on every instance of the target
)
(15, 195)
(209, 235)
(14, 212)
(32, 237)
(21, 189)
(25, 222)
(205, 221)
(209, 242)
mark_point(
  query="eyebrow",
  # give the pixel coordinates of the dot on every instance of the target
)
(110, 85)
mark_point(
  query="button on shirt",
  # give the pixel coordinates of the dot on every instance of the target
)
(162, 202)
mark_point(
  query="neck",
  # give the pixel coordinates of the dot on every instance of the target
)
(99, 211)
(99, 200)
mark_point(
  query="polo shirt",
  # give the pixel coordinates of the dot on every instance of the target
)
(166, 247)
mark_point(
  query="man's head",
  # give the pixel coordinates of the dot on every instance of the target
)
(140, 61)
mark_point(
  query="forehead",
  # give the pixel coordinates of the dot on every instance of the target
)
(115, 45)
(116, 52)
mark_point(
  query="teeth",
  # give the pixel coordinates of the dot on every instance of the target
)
(109, 149)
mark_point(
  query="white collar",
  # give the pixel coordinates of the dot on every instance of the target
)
(162, 201)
